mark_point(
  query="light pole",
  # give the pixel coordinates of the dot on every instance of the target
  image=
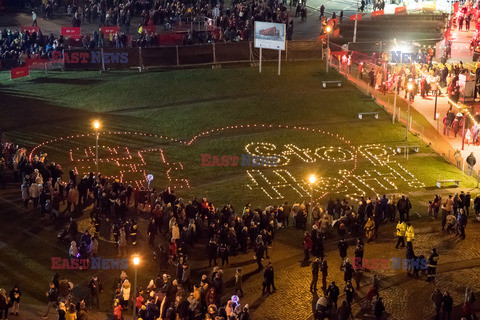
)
(409, 87)
(355, 28)
(96, 125)
(395, 100)
(136, 262)
(312, 180)
(328, 29)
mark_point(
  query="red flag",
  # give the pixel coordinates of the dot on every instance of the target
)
(19, 72)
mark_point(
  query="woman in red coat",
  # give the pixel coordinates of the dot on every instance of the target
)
(307, 246)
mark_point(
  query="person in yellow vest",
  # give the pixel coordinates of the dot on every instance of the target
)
(369, 229)
(401, 230)
(410, 235)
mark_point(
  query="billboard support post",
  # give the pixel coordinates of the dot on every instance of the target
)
(279, 60)
(270, 35)
(260, 62)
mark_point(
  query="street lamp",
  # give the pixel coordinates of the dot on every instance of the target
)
(136, 262)
(96, 125)
(328, 29)
(312, 180)
(409, 88)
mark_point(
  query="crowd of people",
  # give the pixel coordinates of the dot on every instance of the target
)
(179, 294)
(137, 22)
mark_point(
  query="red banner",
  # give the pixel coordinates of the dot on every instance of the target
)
(29, 29)
(71, 31)
(32, 61)
(19, 72)
(455, 7)
(358, 15)
(401, 10)
(333, 22)
(150, 29)
(108, 30)
(377, 13)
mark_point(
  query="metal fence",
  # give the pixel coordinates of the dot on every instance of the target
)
(432, 138)
(178, 56)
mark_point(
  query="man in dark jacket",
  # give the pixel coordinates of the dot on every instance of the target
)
(95, 288)
(432, 265)
(447, 305)
(379, 308)
(52, 296)
(268, 277)
(212, 252)
(466, 202)
(332, 293)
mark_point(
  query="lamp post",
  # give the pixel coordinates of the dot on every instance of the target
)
(328, 29)
(436, 95)
(355, 27)
(312, 180)
(136, 262)
(409, 87)
(96, 125)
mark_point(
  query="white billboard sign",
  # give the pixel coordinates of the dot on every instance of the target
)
(269, 35)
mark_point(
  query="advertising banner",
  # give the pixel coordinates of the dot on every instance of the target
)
(358, 15)
(29, 29)
(269, 35)
(71, 31)
(19, 72)
(108, 30)
(401, 10)
(377, 13)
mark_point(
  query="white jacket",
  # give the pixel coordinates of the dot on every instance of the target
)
(35, 190)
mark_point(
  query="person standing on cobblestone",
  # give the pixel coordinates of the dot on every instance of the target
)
(307, 246)
(315, 269)
(437, 298)
(432, 265)
(462, 224)
(342, 247)
(369, 229)
(476, 202)
(324, 269)
(238, 282)
(379, 308)
(401, 230)
(332, 294)
(348, 271)
(344, 312)
(447, 306)
(349, 292)
(359, 249)
(268, 279)
(410, 235)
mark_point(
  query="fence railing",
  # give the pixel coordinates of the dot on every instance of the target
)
(177, 56)
(433, 138)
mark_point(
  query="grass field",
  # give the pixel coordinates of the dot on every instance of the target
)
(223, 111)
(163, 122)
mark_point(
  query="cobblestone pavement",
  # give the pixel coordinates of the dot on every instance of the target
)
(293, 299)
